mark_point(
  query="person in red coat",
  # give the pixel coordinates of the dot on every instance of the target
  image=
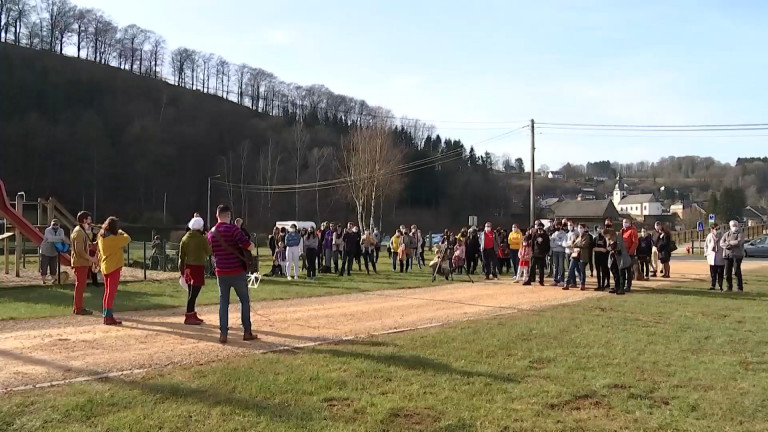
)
(629, 235)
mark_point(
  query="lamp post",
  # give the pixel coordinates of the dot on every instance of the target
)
(208, 220)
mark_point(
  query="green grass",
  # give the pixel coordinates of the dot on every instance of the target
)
(678, 358)
(47, 300)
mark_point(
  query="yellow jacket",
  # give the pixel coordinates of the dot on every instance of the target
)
(395, 243)
(80, 242)
(516, 240)
(111, 251)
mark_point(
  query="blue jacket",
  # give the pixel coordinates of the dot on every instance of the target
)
(292, 239)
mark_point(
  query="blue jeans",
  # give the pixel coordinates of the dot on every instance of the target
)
(575, 267)
(240, 283)
(558, 261)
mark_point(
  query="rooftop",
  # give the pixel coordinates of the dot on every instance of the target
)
(637, 199)
(585, 209)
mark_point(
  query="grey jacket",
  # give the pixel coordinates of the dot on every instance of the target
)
(557, 241)
(619, 253)
(733, 244)
(52, 236)
(311, 242)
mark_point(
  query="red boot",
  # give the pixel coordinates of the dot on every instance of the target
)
(110, 320)
(192, 319)
(198, 318)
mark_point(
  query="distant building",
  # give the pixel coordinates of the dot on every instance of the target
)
(684, 210)
(588, 212)
(548, 202)
(637, 206)
(755, 215)
(555, 175)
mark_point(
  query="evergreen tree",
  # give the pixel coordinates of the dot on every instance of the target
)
(472, 157)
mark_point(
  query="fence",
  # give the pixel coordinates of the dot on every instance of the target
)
(695, 239)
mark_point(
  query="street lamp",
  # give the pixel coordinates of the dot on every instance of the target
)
(208, 221)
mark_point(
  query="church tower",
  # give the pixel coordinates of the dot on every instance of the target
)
(618, 192)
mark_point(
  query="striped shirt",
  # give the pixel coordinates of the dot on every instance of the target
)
(224, 258)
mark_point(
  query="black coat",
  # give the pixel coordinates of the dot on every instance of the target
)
(351, 241)
(540, 243)
(473, 246)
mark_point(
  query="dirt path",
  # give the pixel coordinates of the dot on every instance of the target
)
(35, 352)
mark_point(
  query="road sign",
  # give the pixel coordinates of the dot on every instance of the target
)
(700, 226)
(711, 218)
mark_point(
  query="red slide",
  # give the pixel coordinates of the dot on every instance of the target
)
(27, 229)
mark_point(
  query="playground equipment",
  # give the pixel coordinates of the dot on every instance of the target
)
(22, 228)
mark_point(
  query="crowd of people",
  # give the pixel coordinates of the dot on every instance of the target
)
(563, 251)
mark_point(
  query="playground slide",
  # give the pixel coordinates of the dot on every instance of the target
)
(27, 229)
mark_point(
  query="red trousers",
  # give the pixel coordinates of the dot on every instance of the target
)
(110, 288)
(81, 278)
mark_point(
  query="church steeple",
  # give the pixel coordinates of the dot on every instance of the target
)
(618, 192)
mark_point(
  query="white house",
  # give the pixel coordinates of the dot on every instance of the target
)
(555, 175)
(635, 205)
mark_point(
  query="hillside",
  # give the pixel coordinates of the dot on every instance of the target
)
(104, 139)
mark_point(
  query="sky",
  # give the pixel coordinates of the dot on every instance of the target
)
(479, 69)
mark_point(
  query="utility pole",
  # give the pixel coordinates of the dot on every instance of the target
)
(533, 171)
(208, 209)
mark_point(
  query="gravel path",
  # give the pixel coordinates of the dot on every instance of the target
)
(35, 352)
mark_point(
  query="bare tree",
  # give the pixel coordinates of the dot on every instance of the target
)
(132, 42)
(65, 23)
(240, 77)
(156, 51)
(369, 160)
(4, 7)
(300, 139)
(82, 21)
(18, 14)
(223, 72)
(56, 12)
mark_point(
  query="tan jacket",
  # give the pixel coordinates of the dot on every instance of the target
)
(80, 243)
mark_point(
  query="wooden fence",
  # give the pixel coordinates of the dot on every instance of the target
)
(695, 239)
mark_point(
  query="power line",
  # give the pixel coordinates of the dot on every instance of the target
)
(653, 136)
(627, 129)
(656, 126)
(427, 162)
(343, 182)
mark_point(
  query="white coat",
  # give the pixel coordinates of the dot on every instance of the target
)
(713, 250)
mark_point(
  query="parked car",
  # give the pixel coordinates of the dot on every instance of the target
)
(757, 247)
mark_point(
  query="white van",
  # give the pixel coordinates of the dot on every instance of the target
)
(299, 224)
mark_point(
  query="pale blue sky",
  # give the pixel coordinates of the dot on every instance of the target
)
(649, 62)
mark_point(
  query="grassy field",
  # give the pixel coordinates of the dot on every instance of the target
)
(678, 358)
(46, 300)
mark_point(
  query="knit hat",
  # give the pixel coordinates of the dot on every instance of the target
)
(196, 224)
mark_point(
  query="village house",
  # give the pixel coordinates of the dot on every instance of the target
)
(637, 206)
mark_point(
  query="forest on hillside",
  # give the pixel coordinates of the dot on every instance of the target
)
(107, 140)
(109, 118)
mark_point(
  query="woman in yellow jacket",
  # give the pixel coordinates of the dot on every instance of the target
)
(515, 243)
(111, 242)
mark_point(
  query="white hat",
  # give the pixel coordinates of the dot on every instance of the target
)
(196, 224)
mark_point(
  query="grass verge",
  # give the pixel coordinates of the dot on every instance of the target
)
(678, 358)
(53, 300)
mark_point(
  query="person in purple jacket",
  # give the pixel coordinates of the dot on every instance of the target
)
(328, 247)
(229, 245)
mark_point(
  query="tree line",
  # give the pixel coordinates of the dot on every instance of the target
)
(114, 142)
(693, 177)
(90, 34)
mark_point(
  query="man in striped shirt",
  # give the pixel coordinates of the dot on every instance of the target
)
(228, 244)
